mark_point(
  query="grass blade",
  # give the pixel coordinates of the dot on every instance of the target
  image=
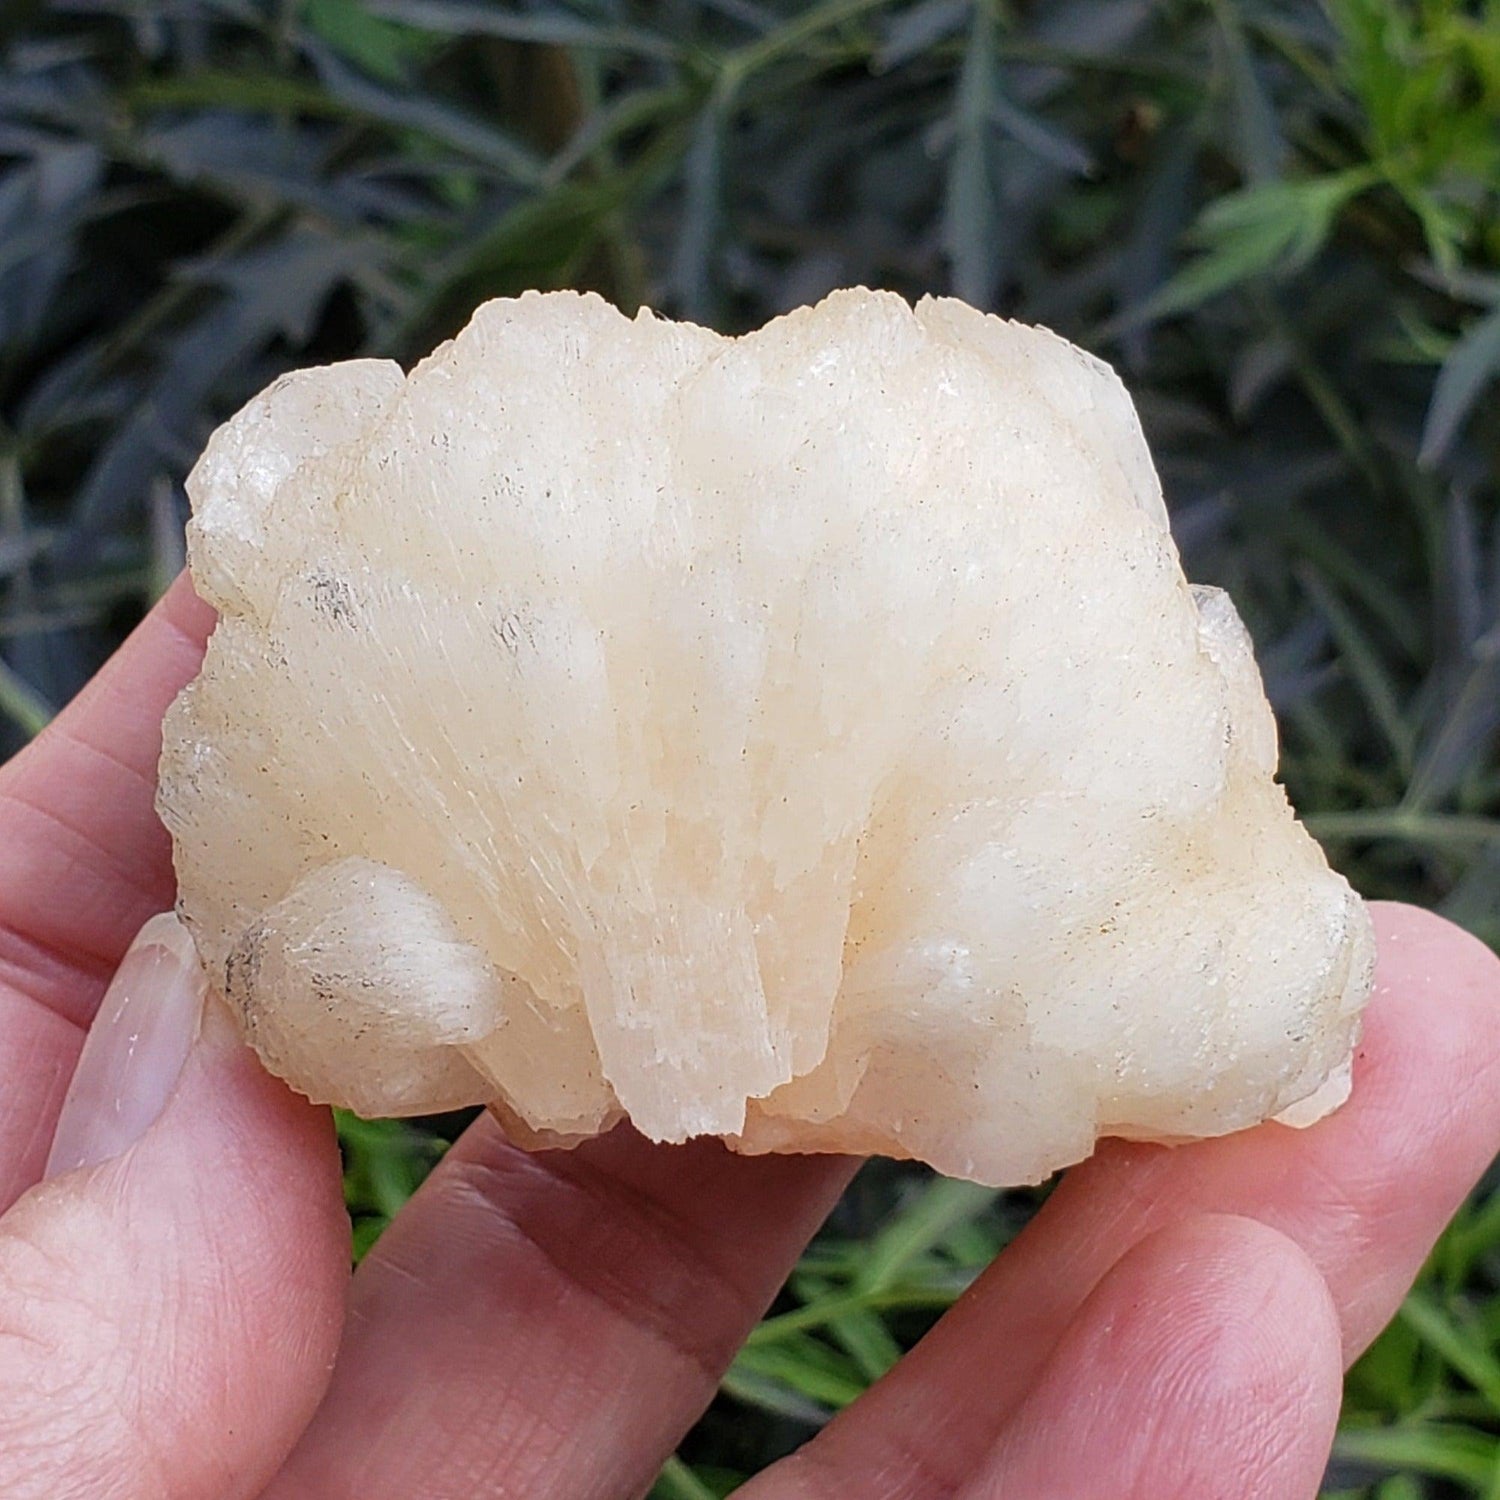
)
(943, 1206)
(1261, 148)
(1460, 1348)
(1442, 1450)
(971, 221)
(1366, 669)
(1472, 364)
(22, 704)
(1405, 825)
(678, 1482)
(552, 28)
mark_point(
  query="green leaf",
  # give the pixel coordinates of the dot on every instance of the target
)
(1475, 1234)
(552, 28)
(804, 27)
(971, 219)
(269, 93)
(1444, 1450)
(678, 1482)
(940, 1208)
(1366, 668)
(1376, 59)
(468, 133)
(1272, 227)
(692, 262)
(1040, 137)
(1468, 1355)
(911, 33)
(1258, 140)
(1390, 1374)
(1402, 1487)
(385, 1161)
(368, 40)
(1470, 366)
(367, 1229)
(804, 1367)
(867, 1341)
(21, 703)
(1422, 829)
(535, 244)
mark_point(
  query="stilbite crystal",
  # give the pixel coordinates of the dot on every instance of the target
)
(807, 738)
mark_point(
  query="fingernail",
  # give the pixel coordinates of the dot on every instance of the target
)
(134, 1052)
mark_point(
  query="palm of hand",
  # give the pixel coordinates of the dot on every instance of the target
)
(1172, 1324)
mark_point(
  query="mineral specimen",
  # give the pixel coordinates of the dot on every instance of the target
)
(807, 739)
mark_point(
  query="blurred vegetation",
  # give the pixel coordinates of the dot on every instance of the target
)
(1278, 217)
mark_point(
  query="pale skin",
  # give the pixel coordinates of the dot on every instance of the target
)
(178, 1321)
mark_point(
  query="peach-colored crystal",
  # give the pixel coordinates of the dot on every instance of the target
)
(807, 738)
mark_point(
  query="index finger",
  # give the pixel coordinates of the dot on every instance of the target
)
(84, 861)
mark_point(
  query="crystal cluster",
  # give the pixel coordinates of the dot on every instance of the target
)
(807, 739)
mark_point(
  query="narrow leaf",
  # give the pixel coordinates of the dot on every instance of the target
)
(432, 117)
(21, 703)
(692, 262)
(943, 1205)
(678, 1482)
(1258, 142)
(1365, 668)
(1442, 1449)
(1462, 1350)
(814, 1371)
(554, 28)
(867, 1341)
(1273, 226)
(971, 224)
(1038, 136)
(1473, 362)
(916, 31)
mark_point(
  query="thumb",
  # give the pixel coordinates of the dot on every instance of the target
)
(171, 1295)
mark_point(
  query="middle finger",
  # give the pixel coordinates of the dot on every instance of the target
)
(549, 1325)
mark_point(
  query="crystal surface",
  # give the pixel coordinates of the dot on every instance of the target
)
(807, 738)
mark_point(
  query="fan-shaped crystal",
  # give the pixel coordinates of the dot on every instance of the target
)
(807, 738)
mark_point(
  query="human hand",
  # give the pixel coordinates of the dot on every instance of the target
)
(1172, 1324)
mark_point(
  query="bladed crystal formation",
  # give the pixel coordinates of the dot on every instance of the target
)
(807, 738)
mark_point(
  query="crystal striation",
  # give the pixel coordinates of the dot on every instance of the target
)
(807, 739)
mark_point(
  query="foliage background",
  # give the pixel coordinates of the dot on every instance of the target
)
(1278, 217)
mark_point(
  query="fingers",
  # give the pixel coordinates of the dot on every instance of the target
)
(1205, 1366)
(1364, 1193)
(83, 863)
(549, 1325)
(168, 1317)
(78, 816)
